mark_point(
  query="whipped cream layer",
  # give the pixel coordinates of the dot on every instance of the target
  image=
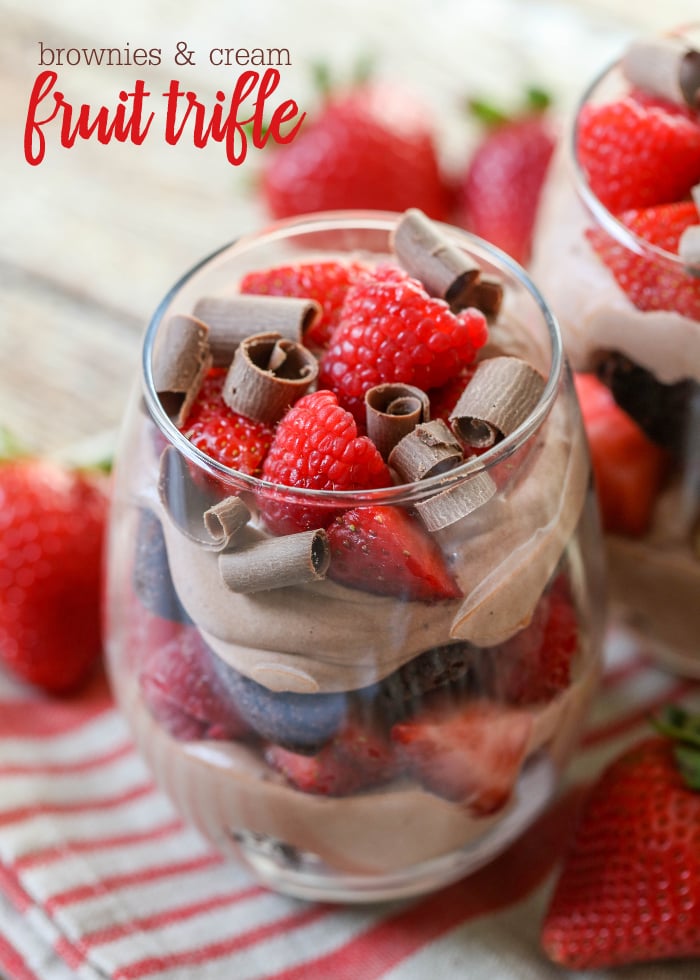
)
(223, 787)
(594, 313)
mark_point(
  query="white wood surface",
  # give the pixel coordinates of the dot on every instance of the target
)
(93, 237)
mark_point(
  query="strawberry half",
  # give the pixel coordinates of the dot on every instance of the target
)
(651, 282)
(629, 468)
(385, 551)
(471, 756)
(357, 758)
(637, 155)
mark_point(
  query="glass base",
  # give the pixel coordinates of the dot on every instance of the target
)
(302, 875)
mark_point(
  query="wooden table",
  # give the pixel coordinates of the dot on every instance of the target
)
(93, 236)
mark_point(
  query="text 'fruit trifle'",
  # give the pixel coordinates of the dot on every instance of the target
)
(618, 257)
(354, 608)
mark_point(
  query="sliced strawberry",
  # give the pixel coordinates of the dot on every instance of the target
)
(357, 758)
(651, 282)
(471, 756)
(535, 665)
(384, 550)
(636, 155)
(326, 282)
(629, 469)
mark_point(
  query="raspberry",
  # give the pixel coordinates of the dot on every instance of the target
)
(326, 282)
(317, 447)
(391, 330)
(232, 439)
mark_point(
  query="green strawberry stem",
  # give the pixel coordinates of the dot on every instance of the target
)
(10, 446)
(536, 101)
(684, 729)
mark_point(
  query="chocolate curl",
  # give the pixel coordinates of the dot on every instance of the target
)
(429, 450)
(268, 374)
(499, 397)
(689, 249)
(231, 319)
(426, 254)
(224, 520)
(486, 295)
(181, 360)
(668, 67)
(456, 502)
(392, 411)
(274, 563)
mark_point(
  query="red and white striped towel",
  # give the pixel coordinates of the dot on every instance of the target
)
(99, 878)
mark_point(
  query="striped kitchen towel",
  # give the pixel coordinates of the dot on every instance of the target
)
(99, 878)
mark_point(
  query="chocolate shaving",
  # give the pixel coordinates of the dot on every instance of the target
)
(233, 318)
(181, 360)
(427, 254)
(224, 520)
(429, 450)
(451, 505)
(274, 563)
(392, 411)
(499, 397)
(268, 374)
(689, 249)
(668, 67)
(486, 295)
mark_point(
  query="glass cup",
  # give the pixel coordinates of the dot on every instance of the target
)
(629, 313)
(349, 745)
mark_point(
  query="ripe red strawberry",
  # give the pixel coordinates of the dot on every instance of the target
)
(384, 550)
(629, 889)
(316, 447)
(183, 691)
(535, 665)
(629, 469)
(325, 281)
(636, 155)
(500, 192)
(391, 330)
(471, 755)
(222, 434)
(51, 540)
(370, 147)
(650, 282)
(357, 758)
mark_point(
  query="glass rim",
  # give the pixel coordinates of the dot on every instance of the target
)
(605, 218)
(381, 221)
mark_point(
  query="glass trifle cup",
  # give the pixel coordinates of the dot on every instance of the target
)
(361, 693)
(617, 258)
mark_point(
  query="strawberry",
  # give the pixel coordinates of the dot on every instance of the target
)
(471, 755)
(325, 281)
(535, 664)
(384, 550)
(370, 147)
(500, 191)
(52, 524)
(444, 398)
(629, 889)
(629, 468)
(391, 330)
(637, 154)
(222, 434)
(317, 447)
(651, 282)
(357, 758)
(183, 691)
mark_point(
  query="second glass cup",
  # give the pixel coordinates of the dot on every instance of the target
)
(362, 693)
(621, 202)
